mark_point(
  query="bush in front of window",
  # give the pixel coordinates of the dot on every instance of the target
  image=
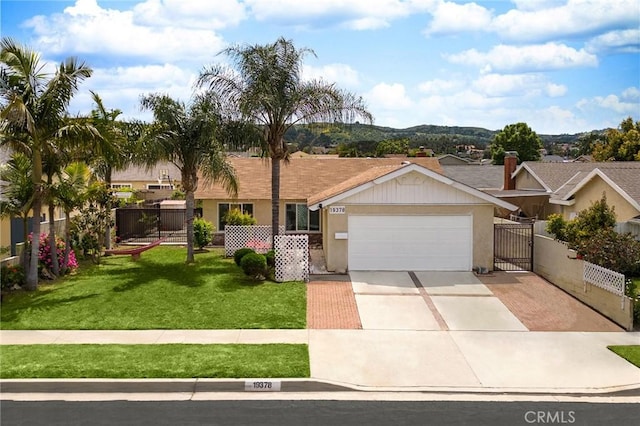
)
(202, 232)
(236, 217)
(254, 265)
(240, 253)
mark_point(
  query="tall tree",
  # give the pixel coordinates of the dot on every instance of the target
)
(110, 153)
(18, 193)
(33, 114)
(186, 135)
(516, 137)
(621, 144)
(265, 86)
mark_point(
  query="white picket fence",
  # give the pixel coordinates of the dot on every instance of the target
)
(292, 258)
(604, 278)
(257, 237)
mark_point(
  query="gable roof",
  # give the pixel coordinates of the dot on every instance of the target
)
(381, 175)
(453, 160)
(300, 178)
(141, 173)
(563, 180)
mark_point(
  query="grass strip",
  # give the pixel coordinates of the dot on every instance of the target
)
(159, 291)
(629, 352)
(154, 361)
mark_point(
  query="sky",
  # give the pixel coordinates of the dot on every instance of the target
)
(561, 66)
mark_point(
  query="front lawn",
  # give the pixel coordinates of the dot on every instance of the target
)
(153, 361)
(631, 353)
(159, 291)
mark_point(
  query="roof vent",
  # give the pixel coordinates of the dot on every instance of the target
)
(404, 163)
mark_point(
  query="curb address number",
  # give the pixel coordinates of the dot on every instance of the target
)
(262, 385)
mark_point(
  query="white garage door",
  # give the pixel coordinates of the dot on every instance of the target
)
(410, 243)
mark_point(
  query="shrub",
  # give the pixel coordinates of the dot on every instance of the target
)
(236, 217)
(202, 232)
(607, 248)
(556, 225)
(254, 265)
(11, 276)
(240, 253)
(44, 253)
(271, 258)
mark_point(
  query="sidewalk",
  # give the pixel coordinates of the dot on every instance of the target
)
(400, 360)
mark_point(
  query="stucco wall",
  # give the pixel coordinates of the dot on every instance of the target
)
(336, 250)
(5, 232)
(552, 262)
(592, 191)
(524, 180)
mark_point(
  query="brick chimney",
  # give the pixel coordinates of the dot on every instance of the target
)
(510, 164)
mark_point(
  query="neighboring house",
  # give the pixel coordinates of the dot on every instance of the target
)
(552, 159)
(406, 217)
(153, 183)
(453, 160)
(541, 189)
(487, 177)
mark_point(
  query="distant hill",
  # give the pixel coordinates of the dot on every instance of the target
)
(441, 139)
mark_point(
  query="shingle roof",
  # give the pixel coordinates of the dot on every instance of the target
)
(136, 174)
(476, 176)
(301, 177)
(562, 178)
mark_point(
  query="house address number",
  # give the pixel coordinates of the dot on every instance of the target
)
(262, 385)
(337, 210)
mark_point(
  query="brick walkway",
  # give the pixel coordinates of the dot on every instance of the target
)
(541, 306)
(331, 305)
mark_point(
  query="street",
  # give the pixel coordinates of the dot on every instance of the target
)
(315, 412)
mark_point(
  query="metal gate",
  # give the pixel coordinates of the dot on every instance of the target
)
(142, 225)
(513, 246)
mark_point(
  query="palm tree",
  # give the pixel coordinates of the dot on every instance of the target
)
(110, 153)
(186, 136)
(33, 115)
(17, 193)
(266, 88)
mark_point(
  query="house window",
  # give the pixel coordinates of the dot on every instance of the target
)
(300, 218)
(223, 208)
(121, 185)
(159, 186)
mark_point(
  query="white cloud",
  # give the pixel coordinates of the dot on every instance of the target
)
(627, 41)
(439, 86)
(352, 14)
(533, 5)
(201, 14)
(538, 21)
(503, 58)
(450, 18)
(625, 104)
(87, 28)
(520, 85)
(388, 97)
(341, 74)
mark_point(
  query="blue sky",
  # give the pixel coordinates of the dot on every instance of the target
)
(561, 66)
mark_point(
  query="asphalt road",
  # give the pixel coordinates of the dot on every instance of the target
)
(317, 412)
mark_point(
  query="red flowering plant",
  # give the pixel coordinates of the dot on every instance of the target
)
(11, 276)
(44, 253)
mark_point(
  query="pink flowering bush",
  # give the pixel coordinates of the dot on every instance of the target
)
(44, 253)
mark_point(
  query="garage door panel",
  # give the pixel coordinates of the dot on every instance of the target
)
(410, 243)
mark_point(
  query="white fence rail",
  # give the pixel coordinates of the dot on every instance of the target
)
(604, 278)
(257, 237)
(292, 258)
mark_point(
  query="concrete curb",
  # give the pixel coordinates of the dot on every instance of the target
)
(153, 386)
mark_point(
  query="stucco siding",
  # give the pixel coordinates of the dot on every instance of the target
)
(524, 180)
(593, 191)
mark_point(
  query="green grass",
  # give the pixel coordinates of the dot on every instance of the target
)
(158, 292)
(631, 353)
(153, 361)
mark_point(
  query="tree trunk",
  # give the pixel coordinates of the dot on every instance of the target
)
(24, 256)
(275, 199)
(190, 205)
(53, 247)
(32, 272)
(107, 233)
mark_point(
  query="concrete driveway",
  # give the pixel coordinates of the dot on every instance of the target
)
(429, 301)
